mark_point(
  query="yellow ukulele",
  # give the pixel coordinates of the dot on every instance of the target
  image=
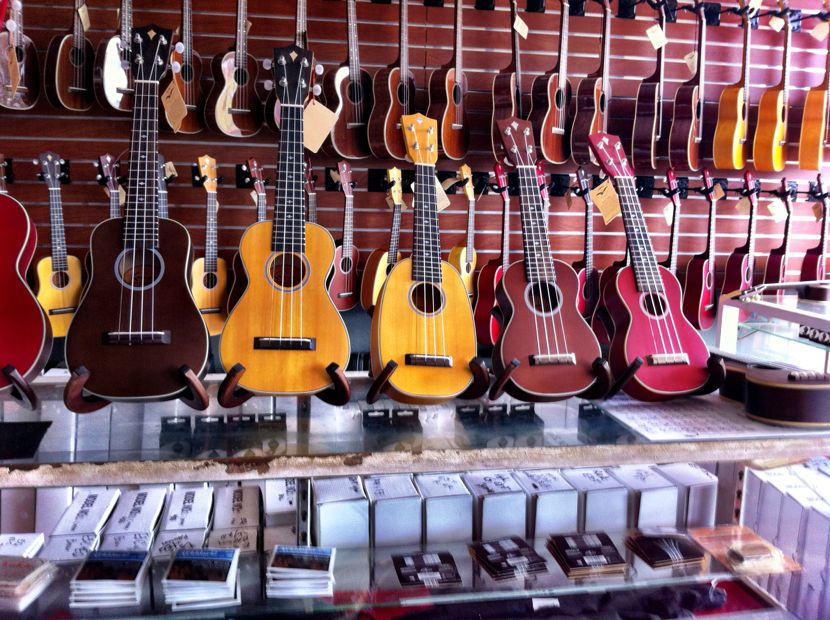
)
(463, 256)
(59, 275)
(209, 275)
(381, 260)
(814, 122)
(422, 337)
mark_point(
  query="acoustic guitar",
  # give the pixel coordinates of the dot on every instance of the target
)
(463, 255)
(240, 277)
(699, 286)
(587, 274)
(768, 152)
(186, 76)
(740, 265)
(732, 130)
(644, 301)
(343, 282)
(507, 90)
(447, 96)
(381, 260)
(673, 193)
(70, 61)
(775, 270)
(813, 137)
(136, 326)
(285, 318)
(393, 91)
(19, 68)
(543, 329)
(209, 274)
(58, 275)
(815, 259)
(112, 78)
(233, 106)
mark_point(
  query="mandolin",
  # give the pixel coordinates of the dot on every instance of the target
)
(732, 129)
(381, 260)
(186, 76)
(58, 275)
(70, 60)
(592, 96)
(463, 255)
(740, 265)
(644, 301)
(543, 329)
(447, 96)
(137, 329)
(814, 120)
(109, 177)
(240, 277)
(673, 192)
(768, 153)
(423, 323)
(550, 100)
(815, 259)
(342, 283)
(285, 319)
(233, 106)
(699, 286)
(19, 69)
(209, 275)
(587, 274)
(112, 78)
(487, 326)
(775, 270)
(507, 89)
(351, 87)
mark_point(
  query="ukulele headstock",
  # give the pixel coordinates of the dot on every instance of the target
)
(292, 69)
(150, 52)
(501, 181)
(393, 179)
(583, 182)
(207, 170)
(610, 155)
(465, 174)
(517, 139)
(51, 169)
(255, 170)
(671, 187)
(108, 169)
(346, 184)
(310, 177)
(421, 136)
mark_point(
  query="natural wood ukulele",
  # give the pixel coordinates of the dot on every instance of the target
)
(381, 260)
(343, 281)
(463, 255)
(70, 60)
(20, 68)
(187, 75)
(813, 139)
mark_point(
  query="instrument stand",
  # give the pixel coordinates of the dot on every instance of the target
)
(717, 375)
(231, 395)
(598, 390)
(624, 378)
(21, 390)
(479, 385)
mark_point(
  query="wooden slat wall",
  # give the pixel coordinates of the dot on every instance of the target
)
(82, 137)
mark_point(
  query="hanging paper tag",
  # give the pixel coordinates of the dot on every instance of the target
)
(318, 121)
(742, 206)
(170, 170)
(717, 192)
(656, 35)
(248, 25)
(448, 183)
(175, 108)
(14, 71)
(819, 33)
(691, 62)
(83, 13)
(520, 26)
(606, 200)
(569, 198)
(776, 23)
(118, 18)
(255, 197)
(777, 210)
(441, 195)
(818, 209)
(122, 196)
(668, 213)
(754, 5)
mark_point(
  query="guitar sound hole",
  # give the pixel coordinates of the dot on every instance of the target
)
(240, 76)
(426, 298)
(77, 56)
(346, 264)
(653, 304)
(19, 52)
(699, 108)
(209, 280)
(139, 270)
(744, 111)
(187, 73)
(543, 298)
(403, 94)
(355, 92)
(559, 99)
(456, 94)
(710, 280)
(748, 275)
(60, 279)
(288, 270)
(602, 103)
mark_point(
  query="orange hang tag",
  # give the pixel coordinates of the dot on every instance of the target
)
(175, 108)
(776, 23)
(170, 170)
(657, 37)
(606, 200)
(717, 192)
(819, 33)
(743, 205)
(668, 213)
(818, 210)
(318, 121)
(520, 26)
(83, 13)
(777, 210)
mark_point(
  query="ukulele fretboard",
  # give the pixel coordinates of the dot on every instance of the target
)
(646, 270)
(538, 264)
(289, 205)
(141, 221)
(426, 251)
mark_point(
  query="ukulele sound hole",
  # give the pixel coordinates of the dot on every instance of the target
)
(403, 94)
(60, 279)
(240, 76)
(76, 56)
(288, 271)
(602, 103)
(186, 73)
(355, 92)
(209, 280)
(543, 298)
(139, 270)
(456, 94)
(559, 99)
(710, 280)
(653, 304)
(747, 275)
(426, 298)
(346, 264)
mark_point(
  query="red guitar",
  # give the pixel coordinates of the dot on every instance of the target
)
(813, 266)
(488, 327)
(673, 193)
(776, 267)
(644, 301)
(740, 266)
(699, 287)
(30, 246)
(585, 270)
(343, 282)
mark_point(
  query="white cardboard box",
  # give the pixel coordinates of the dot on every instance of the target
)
(395, 515)
(697, 494)
(236, 507)
(650, 496)
(603, 500)
(552, 502)
(341, 512)
(500, 504)
(447, 508)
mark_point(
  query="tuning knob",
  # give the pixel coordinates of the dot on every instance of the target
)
(11, 25)
(176, 67)
(268, 85)
(267, 64)
(17, 5)
(318, 69)
(179, 47)
(317, 89)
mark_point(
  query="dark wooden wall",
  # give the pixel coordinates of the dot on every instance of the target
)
(82, 137)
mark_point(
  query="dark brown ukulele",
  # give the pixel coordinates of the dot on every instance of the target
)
(70, 59)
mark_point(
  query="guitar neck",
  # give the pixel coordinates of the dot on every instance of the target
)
(261, 206)
(77, 26)
(16, 14)
(187, 31)
(312, 207)
(241, 49)
(471, 228)
(564, 33)
(289, 208)
(58, 235)
(403, 61)
(426, 250)
(211, 241)
(505, 233)
(787, 228)
(394, 236)
(115, 202)
(163, 208)
(646, 270)
(674, 236)
(751, 225)
(354, 47)
(141, 218)
(126, 25)
(745, 66)
(516, 57)
(301, 34)
(785, 67)
(538, 263)
(458, 51)
(348, 226)
(660, 74)
(710, 236)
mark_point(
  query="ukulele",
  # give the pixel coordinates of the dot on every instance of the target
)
(108, 176)
(240, 276)
(310, 190)
(19, 67)
(542, 326)
(58, 275)
(686, 133)
(507, 90)
(351, 87)
(136, 327)
(550, 100)
(381, 260)
(233, 106)
(648, 112)
(209, 275)
(447, 96)
(814, 120)
(673, 192)
(699, 286)
(342, 283)
(775, 270)
(188, 77)
(112, 78)
(70, 59)
(487, 326)
(740, 266)
(592, 96)
(815, 259)
(285, 319)
(393, 91)
(423, 322)
(773, 109)
(732, 129)
(463, 255)
(644, 301)
(587, 274)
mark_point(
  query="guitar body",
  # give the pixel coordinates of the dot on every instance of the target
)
(25, 336)
(374, 275)
(775, 270)
(643, 136)
(59, 292)
(586, 300)
(813, 265)
(28, 252)
(390, 97)
(634, 337)
(109, 77)
(684, 151)
(728, 152)
(464, 265)
(342, 284)
(138, 371)
(266, 309)
(28, 89)
(699, 293)
(590, 108)
(62, 61)
(550, 104)
(813, 130)
(770, 132)
(233, 106)
(240, 281)
(399, 329)
(601, 321)
(189, 79)
(354, 101)
(210, 292)
(521, 334)
(488, 327)
(447, 97)
(504, 106)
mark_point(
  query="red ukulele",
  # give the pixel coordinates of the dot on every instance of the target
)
(813, 266)
(342, 285)
(673, 192)
(585, 270)
(776, 267)
(740, 266)
(644, 301)
(699, 287)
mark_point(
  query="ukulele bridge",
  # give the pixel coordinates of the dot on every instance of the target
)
(437, 361)
(210, 310)
(131, 338)
(268, 343)
(58, 311)
(668, 359)
(561, 359)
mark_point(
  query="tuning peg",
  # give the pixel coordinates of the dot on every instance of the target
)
(176, 66)
(11, 25)
(318, 69)
(268, 85)
(267, 64)
(17, 5)
(179, 47)
(317, 90)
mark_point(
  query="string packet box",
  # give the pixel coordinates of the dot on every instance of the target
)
(552, 502)
(508, 558)
(603, 500)
(110, 579)
(447, 508)
(300, 571)
(134, 521)
(500, 504)
(395, 516)
(236, 518)
(21, 545)
(186, 520)
(662, 550)
(78, 529)
(341, 512)
(587, 554)
(431, 570)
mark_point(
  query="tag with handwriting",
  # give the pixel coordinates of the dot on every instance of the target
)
(776, 23)
(441, 195)
(520, 26)
(818, 211)
(83, 13)
(668, 213)
(717, 192)
(742, 206)
(606, 200)
(169, 170)
(318, 121)
(691, 62)
(656, 35)
(175, 108)
(777, 210)
(819, 33)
